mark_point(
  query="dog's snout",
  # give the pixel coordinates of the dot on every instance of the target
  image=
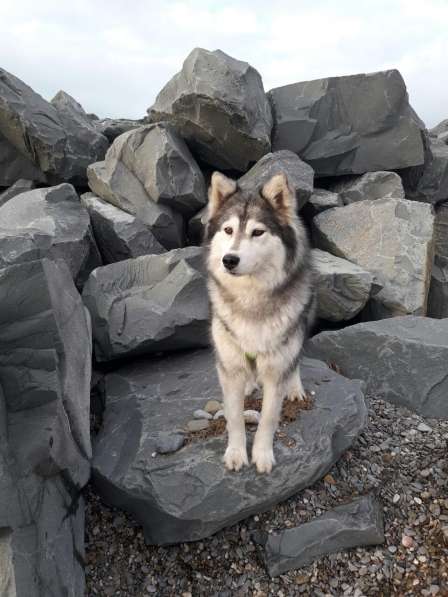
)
(230, 261)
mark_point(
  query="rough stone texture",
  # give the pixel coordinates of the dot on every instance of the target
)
(20, 186)
(219, 107)
(119, 235)
(114, 127)
(196, 226)
(402, 360)
(190, 495)
(300, 175)
(348, 125)
(148, 304)
(438, 291)
(342, 287)
(440, 131)
(320, 200)
(393, 239)
(55, 138)
(45, 367)
(14, 165)
(351, 525)
(372, 185)
(429, 183)
(52, 223)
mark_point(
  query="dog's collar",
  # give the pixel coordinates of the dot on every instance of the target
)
(250, 356)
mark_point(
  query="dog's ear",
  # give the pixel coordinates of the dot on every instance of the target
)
(221, 188)
(280, 196)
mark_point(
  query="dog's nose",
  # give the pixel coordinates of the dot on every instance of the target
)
(230, 261)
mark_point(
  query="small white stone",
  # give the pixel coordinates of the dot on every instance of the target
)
(202, 414)
(154, 454)
(218, 415)
(424, 427)
(252, 417)
(396, 498)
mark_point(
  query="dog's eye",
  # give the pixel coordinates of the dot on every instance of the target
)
(228, 230)
(257, 232)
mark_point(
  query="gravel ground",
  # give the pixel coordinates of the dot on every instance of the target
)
(399, 457)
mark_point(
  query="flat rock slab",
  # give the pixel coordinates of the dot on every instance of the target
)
(342, 287)
(300, 175)
(391, 238)
(218, 105)
(372, 185)
(402, 360)
(49, 222)
(348, 125)
(351, 525)
(190, 495)
(149, 304)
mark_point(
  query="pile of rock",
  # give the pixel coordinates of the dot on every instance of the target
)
(371, 185)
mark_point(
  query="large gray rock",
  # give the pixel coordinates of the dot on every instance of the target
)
(440, 131)
(14, 165)
(114, 127)
(54, 138)
(348, 125)
(321, 200)
(20, 186)
(372, 185)
(119, 235)
(45, 368)
(351, 525)
(342, 287)
(391, 238)
(148, 304)
(402, 360)
(429, 182)
(189, 494)
(219, 107)
(438, 291)
(300, 175)
(52, 223)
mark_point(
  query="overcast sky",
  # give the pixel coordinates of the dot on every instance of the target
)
(114, 56)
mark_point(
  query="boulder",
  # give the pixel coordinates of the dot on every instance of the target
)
(54, 138)
(355, 524)
(45, 367)
(119, 235)
(429, 182)
(320, 200)
(300, 175)
(149, 304)
(440, 131)
(114, 127)
(372, 185)
(52, 223)
(188, 495)
(219, 107)
(348, 125)
(402, 360)
(14, 165)
(438, 291)
(391, 238)
(342, 287)
(20, 186)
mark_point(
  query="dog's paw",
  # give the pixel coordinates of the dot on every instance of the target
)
(297, 394)
(235, 458)
(263, 458)
(250, 388)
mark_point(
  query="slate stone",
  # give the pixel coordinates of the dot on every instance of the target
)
(300, 175)
(402, 360)
(438, 291)
(391, 238)
(167, 443)
(20, 186)
(190, 495)
(54, 138)
(342, 287)
(14, 165)
(320, 200)
(52, 223)
(429, 183)
(218, 105)
(358, 523)
(114, 127)
(149, 304)
(372, 185)
(119, 235)
(348, 125)
(45, 368)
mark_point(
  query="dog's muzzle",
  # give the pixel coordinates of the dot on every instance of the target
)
(230, 261)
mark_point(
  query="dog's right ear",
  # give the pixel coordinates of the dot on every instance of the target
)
(221, 188)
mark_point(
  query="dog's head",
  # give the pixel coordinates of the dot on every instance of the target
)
(251, 233)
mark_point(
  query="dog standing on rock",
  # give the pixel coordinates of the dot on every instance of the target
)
(260, 283)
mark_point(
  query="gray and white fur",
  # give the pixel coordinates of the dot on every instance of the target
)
(261, 292)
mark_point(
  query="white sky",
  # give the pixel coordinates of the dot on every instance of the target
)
(114, 56)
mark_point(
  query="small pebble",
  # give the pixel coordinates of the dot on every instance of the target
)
(218, 415)
(252, 417)
(392, 548)
(424, 428)
(167, 443)
(202, 414)
(213, 406)
(197, 424)
(407, 541)
(396, 498)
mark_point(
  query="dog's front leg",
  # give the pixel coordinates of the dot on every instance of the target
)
(263, 450)
(233, 390)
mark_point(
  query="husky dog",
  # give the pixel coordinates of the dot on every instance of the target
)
(261, 293)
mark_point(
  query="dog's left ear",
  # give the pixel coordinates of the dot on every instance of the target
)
(221, 188)
(280, 196)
